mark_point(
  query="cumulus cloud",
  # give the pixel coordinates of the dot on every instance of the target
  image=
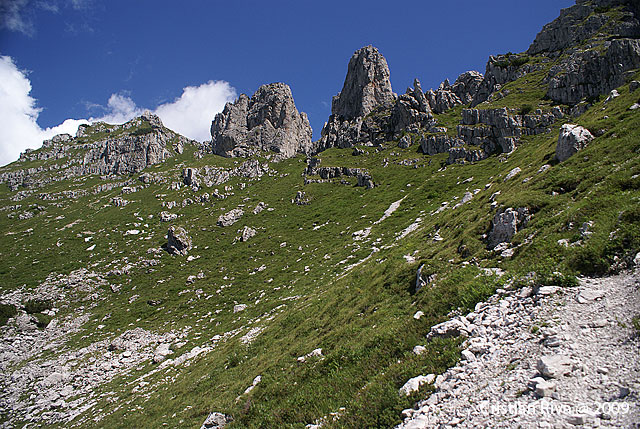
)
(19, 129)
(191, 114)
(120, 109)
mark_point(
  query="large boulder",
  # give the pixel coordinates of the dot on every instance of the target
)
(178, 241)
(572, 138)
(268, 121)
(506, 224)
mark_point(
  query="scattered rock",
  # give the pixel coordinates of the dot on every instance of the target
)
(313, 353)
(179, 242)
(301, 199)
(216, 421)
(554, 366)
(414, 384)
(418, 350)
(239, 307)
(512, 173)
(247, 233)
(230, 217)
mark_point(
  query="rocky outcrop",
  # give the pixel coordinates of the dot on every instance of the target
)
(178, 241)
(467, 85)
(584, 21)
(594, 71)
(490, 131)
(367, 112)
(362, 176)
(212, 176)
(411, 112)
(608, 33)
(366, 87)
(267, 122)
(99, 149)
(571, 139)
(462, 91)
(500, 70)
(506, 224)
(357, 111)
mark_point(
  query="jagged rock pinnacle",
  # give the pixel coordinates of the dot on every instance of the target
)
(366, 86)
(268, 121)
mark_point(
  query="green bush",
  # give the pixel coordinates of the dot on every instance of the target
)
(142, 131)
(526, 109)
(587, 261)
(42, 320)
(7, 311)
(517, 62)
(34, 306)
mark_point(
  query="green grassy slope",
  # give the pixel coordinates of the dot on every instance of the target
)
(308, 282)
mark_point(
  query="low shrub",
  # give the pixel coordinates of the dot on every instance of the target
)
(7, 311)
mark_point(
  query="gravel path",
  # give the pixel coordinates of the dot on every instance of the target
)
(547, 358)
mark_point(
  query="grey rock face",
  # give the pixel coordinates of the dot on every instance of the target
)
(366, 91)
(506, 224)
(467, 85)
(179, 242)
(268, 121)
(366, 87)
(212, 176)
(572, 138)
(492, 130)
(411, 111)
(583, 21)
(593, 72)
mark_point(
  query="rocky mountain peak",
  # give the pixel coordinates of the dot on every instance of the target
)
(268, 121)
(366, 86)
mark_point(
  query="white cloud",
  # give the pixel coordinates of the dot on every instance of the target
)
(191, 114)
(19, 113)
(120, 109)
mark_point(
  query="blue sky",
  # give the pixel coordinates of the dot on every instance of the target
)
(77, 55)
